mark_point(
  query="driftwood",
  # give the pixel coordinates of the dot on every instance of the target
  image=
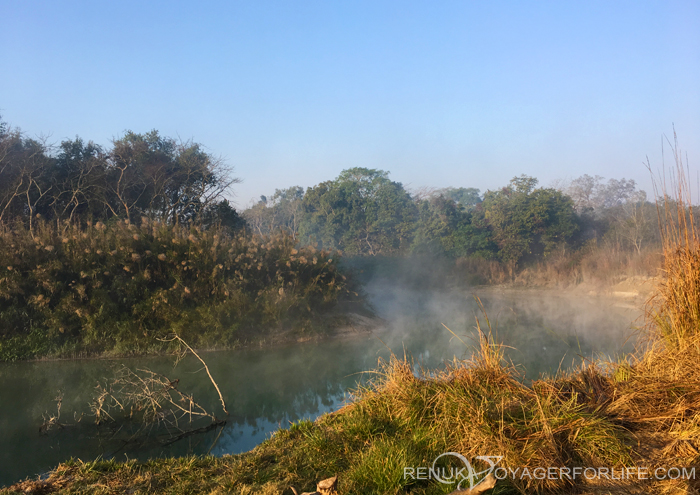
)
(485, 485)
(328, 486)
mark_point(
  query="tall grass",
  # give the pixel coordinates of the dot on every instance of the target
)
(596, 264)
(675, 309)
(66, 290)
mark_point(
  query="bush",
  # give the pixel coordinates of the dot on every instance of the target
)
(116, 287)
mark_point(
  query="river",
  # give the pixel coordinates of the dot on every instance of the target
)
(265, 389)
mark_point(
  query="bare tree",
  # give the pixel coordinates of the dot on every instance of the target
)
(24, 175)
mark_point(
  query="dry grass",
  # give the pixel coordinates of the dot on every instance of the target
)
(644, 411)
(67, 290)
(595, 265)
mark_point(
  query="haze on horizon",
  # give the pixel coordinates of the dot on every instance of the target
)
(440, 94)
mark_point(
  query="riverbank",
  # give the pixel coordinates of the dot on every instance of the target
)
(623, 417)
(114, 290)
(595, 414)
(265, 387)
(632, 291)
(344, 327)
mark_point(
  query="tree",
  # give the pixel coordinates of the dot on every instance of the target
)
(172, 181)
(282, 211)
(24, 176)
(591, 193)
(78, 179)
(143, 174)
(528, 222)
(445, 227)
(465, 196)
(222, 214)
(361, 212)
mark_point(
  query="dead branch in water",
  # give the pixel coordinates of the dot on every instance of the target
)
(176, 338)
(147, 394)
(140, 404)
(51, 420)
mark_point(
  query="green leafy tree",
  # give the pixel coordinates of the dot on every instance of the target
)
(445, 227)
(360, 212)
(528, 222)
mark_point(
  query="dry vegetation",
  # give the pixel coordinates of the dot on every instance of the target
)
(593, 265)
(115, 288)
(641, 412)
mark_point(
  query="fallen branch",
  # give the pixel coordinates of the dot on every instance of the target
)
(176, 337)
(204, 429)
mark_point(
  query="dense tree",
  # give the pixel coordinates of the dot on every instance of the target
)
(528, 222)
(360, 212)
(79, 181)
(445, 227)
(141, 175)
(161, 178)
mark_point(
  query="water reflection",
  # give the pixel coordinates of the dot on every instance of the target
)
(265, 389)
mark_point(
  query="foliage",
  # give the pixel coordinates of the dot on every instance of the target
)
(280, 212)
(445, 227)
(528, 222)
(141, 175)
(116, 287)
(361, 212)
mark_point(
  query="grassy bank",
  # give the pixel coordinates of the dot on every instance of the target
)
(116, 288)
(644, 412)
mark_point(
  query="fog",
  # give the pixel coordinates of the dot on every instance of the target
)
(266, 388)
(543, 330)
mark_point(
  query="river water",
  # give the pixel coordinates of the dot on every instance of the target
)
(266, 389)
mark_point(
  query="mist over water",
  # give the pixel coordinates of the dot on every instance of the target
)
(543, 331)
(266, 389)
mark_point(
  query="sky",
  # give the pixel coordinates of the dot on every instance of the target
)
(463, 93)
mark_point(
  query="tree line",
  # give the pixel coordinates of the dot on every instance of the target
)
(146, 175)
(364, 212)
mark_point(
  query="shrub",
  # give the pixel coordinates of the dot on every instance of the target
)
(116, 287)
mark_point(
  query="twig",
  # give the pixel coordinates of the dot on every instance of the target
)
(179, 339)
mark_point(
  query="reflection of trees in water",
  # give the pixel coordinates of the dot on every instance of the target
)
(266, 388)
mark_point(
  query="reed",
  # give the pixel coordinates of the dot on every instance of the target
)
(116, 288)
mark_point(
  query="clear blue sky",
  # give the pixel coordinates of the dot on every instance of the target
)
(439, 93)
